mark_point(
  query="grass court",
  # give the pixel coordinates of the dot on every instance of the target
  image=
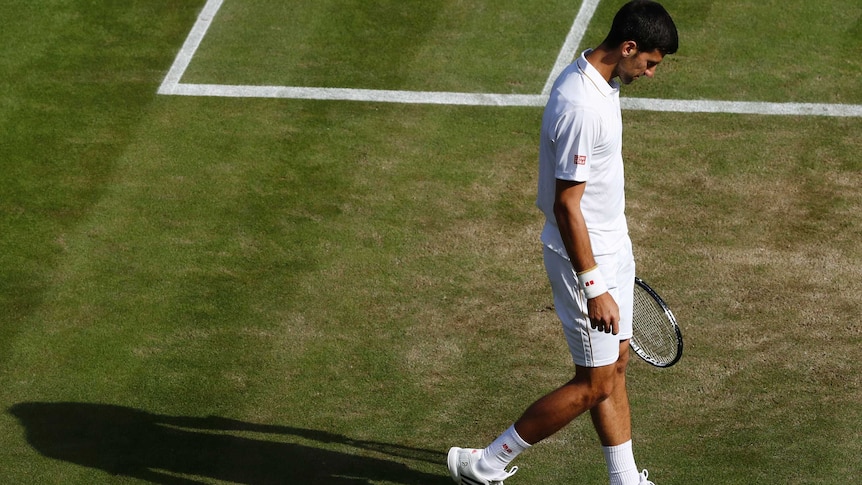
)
(215, 289)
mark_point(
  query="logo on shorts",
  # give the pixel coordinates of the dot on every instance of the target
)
(581, 159)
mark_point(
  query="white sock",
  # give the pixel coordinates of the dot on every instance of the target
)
(622, 469)
(497, 456)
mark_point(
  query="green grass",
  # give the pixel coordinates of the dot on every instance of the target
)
(477, 46)
(204, 290)
(770, 50)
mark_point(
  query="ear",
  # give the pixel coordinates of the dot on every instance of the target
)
(628, 48)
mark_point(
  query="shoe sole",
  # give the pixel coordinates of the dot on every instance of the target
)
(452, 461)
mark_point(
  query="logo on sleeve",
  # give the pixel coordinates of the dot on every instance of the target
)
(581, 159)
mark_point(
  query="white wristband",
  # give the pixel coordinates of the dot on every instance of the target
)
(592, 283)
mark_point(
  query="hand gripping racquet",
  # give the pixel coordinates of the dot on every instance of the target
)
(656, 337)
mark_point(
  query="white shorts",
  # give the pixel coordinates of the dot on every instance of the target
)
(589, 347)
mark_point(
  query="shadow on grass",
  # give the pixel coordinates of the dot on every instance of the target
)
(186, 450)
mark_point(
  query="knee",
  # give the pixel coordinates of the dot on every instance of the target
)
(598, 389)
(600, 383)
(604, 389)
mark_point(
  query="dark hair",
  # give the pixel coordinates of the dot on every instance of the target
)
(646, 23)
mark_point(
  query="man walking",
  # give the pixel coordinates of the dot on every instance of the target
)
(587, 250)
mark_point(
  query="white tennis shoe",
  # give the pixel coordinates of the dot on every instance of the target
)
(462, 468)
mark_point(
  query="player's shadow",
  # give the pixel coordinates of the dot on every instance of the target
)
(187, 450)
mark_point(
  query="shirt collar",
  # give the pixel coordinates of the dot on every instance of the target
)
(607, 89)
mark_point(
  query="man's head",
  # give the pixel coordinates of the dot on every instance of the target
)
(642, 34)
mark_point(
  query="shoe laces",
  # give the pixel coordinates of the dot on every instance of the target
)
(508, 474)
(644, 476)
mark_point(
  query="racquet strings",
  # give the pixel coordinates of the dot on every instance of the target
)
(654, 333)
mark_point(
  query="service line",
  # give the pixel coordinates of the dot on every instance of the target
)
(171, 85)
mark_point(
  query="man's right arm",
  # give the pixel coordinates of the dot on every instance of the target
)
(604, 313)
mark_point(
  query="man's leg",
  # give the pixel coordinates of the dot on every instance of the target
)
(612, 417)
(612, 420)
(547, 416)
(590, 386)
(589, 347)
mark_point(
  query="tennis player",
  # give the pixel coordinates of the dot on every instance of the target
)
(587, 250)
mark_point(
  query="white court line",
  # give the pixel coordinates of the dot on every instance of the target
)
(171, 85)
(573, 40)
(181, 63)
(350, 94)
(742, 107)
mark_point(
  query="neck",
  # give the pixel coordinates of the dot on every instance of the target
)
(605, 61)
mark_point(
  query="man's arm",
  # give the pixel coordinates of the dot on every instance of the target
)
(603, 310)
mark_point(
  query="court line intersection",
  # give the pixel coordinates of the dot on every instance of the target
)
(172, 85)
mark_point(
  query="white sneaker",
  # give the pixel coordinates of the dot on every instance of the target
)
(644, 481)
(462, 468)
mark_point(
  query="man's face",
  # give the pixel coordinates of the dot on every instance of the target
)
(638, 64)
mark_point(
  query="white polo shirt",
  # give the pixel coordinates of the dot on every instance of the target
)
(581, 140)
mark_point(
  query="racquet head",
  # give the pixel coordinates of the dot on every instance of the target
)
(656, 336)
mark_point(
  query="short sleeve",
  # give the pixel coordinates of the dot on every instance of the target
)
(575, 137)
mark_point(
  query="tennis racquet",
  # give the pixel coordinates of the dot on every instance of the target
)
(656, 337)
